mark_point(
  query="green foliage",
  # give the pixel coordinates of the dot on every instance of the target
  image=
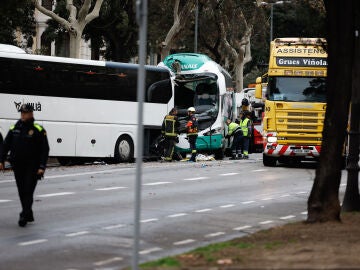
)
(16, 15)
(165, 262)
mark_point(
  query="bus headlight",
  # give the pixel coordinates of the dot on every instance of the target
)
(271, 139)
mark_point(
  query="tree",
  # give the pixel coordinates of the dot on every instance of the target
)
(181, 14)
(78, 17)
(323, 202)
(236, 22)
(17, 17)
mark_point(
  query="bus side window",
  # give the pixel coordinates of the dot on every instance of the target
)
(159, 92)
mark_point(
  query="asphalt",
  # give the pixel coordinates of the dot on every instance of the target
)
(84, 215)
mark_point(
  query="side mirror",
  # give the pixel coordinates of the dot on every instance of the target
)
(258, 88)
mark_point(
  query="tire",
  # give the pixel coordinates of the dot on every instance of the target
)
(269, 161)
(124, 150)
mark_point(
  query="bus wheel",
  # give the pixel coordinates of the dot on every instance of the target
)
(124, 150)
(269, 161)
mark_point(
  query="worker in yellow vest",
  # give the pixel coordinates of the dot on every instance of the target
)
(170, 130)
(246, 127)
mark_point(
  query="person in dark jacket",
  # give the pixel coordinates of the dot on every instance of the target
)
(29, 150)
(192, 132)
(170, 130)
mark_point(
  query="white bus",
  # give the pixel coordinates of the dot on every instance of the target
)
(88, 108)
(202, 83)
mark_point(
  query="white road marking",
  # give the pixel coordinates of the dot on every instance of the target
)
(196, 178)
(229, 174)
(260, 170)
(304, 213)
(227, 205)
(184, 242)
(6, 181)
(301, 192)
(149, 220)
(266, 222)
(77, 234)
(34, 242)
(109, 188)
(343, 185)
(287, 217)
(214, 234)
(242, 228)
(177, 215)
(101, 263)
(150, 250)
(285, 195)
(2, 201)
(248, 202)
(157, 183)
(203, 210)
(267, 199)
(55, 194)
(113, 227)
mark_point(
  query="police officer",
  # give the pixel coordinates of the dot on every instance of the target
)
(29, 150)
(234, 130)
(246, 127)
(192, 132)
(170, 129)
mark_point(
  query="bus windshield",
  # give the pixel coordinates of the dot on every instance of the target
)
(297, 89)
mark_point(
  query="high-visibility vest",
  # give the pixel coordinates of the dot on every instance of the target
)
(170, 126)
(232, 128)
(244, 126)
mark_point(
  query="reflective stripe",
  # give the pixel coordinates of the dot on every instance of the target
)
(193, 151)
(12, 127)
(38, 127)
(244, 126)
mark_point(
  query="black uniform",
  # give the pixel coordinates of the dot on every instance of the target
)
(29, 150)
(170, 129)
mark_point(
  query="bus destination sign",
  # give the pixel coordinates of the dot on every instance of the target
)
(301, 62)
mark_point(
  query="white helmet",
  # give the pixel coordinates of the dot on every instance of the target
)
(191, 109)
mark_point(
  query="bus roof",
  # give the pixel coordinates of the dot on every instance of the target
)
(188, 61)
(10, 49)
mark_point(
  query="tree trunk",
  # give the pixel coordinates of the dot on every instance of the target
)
(323, 203)
(352, 198)
(75, 43)
(239, 75)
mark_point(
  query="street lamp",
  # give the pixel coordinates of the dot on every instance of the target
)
(272, 13)
(196, 26)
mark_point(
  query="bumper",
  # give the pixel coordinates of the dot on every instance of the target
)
(278, 150)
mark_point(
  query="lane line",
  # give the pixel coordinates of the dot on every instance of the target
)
(2, 201)
(150, 250)
(111, 227)
(285, 195)
(184, 242)
(247, 202)
(304, 213)
(260, 170)
(214, 234)
(242, 228)
(6, 181)
(203, 210)
(55, 194)
(157, 183)
(77, 234)
(34, 242)
(177, 215)
(228, 174)
(149, 220)
(112, 260)
(287, 217)
(301, 192)
(266, 222)
(196, 178)
(267, 199)
(227, 205)
(109, 188)
(343, 185)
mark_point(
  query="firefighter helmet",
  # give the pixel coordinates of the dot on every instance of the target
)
(191, 109)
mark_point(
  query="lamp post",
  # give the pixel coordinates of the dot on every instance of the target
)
(196, 26)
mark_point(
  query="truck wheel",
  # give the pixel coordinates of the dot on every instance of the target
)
(269, 161)
(124, 150)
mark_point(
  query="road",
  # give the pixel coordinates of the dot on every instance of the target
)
(84, 214)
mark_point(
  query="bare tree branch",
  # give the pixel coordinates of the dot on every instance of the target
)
(52, 15)
(84, 10)
(72, 9)
(95, 12)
